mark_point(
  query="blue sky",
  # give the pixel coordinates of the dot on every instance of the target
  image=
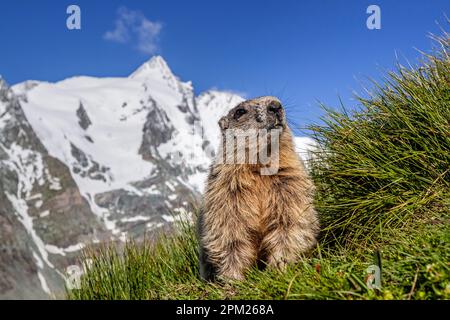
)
(301, 51)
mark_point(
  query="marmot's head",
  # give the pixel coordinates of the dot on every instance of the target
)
(260, 113)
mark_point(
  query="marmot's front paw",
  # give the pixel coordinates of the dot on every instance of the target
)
(230, 276)
(277, 262)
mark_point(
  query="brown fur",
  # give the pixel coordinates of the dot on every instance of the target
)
(249, 218)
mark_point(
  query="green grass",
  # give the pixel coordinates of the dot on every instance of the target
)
(383, 194)
(415, 265)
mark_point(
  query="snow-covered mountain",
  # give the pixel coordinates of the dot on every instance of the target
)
(88, 160)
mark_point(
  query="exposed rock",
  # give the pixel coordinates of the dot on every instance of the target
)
(84, 121)
(157, 130)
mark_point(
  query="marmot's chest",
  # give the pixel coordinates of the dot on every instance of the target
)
(256, 192)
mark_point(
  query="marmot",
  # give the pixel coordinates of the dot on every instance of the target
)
(248, 218)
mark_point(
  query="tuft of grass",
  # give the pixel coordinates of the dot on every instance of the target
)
(383, 182)
(387, 163)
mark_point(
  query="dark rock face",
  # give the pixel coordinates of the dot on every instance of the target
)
(157, 130)
(88, 167)
(83, 117)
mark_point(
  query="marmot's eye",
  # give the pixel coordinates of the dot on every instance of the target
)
(274, 108)
(239, 112)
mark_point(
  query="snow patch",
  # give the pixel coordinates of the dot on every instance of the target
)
(44, 214)
(55, 183)
(135, 219)
(62, 251)
(34, 197)
(151, 226)
(172, 197)
(39, 261)
(152, 190)
(44, 284)
(304, 146)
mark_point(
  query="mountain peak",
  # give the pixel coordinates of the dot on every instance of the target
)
(5, 91)
(155, 64)
(2, 82)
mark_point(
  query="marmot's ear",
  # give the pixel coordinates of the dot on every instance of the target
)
(223, 123)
